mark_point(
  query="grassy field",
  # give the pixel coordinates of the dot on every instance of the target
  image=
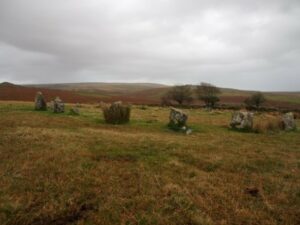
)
(63, 169)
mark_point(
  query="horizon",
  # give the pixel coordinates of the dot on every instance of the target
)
(145, 83)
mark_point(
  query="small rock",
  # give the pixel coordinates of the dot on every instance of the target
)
(188, 131)
(75, 111)
(289, 122)
(58, 105)
(242, 120)
(102, 105)
(117, 104)
(40, 103)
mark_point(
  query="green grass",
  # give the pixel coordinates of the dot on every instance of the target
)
(63, 169)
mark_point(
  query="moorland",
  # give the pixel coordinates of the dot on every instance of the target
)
(65, 169)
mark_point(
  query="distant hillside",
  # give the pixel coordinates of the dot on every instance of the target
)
(101, 87)
(135, 93)
(230, 96)
(14, 92)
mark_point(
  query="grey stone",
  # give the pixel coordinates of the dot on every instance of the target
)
(39, 102)
(242, 120)
(75, 111)
(117, 104)
(58, 105)
(289, 122)
(188, 131)
(178, 119)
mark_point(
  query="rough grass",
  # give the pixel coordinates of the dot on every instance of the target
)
(268, 123)
(61, 169)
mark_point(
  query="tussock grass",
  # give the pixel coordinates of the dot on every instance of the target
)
(60, 169)
(268, 123)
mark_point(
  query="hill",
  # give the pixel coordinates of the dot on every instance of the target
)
(101, 87)
(9, 91)
(231, 96)
(135, 93)
(82, 94)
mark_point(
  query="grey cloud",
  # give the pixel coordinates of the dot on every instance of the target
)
(240, 44)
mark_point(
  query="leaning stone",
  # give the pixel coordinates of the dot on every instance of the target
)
(242, 120)
(289, 122)
(58, 105)
(39, 102)
(177, 119)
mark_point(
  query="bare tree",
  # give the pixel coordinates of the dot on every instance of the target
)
(255, 100)
(166, 99)
(181, 94)
(208, 93)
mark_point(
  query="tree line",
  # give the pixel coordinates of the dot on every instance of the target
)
(208, 93)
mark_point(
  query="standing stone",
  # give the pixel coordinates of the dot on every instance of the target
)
(289, 122)
(116, 113)
(58, 105)
(177, 119)
(242, 120)
(39, 102)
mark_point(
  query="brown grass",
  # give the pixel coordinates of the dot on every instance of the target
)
(268, 123)
(61, 169)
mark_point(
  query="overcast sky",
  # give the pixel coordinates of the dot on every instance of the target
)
(230, 43)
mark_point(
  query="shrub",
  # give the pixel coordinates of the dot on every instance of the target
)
(116, 113)
(166, 100)
(209, 94)
(255, 101)
(180, 94)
